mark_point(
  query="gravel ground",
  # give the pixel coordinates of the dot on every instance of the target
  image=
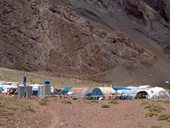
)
(66, 113)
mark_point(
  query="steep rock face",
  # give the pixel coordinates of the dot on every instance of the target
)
(150, 18)
(153, 15)
(147, 22)
(50, 35)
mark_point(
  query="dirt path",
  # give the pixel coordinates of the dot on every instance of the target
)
(55, 123)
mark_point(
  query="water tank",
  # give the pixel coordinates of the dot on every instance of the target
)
(44, 91)
(24, 91)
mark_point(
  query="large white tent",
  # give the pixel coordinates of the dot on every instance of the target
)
(152, 93)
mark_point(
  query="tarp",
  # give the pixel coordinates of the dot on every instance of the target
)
(9, 85)
(77, 91)
(121, 88)
(65, 90)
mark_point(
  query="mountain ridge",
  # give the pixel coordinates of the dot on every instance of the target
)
(83, 37)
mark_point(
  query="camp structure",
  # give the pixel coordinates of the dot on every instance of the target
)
(87, 93)
(35, 89)
(141, 92)
(8, 86)
(77, 92)
(97, 93)
(64, 91)
(41, 90)
(152, 93)
(108, 92)
(124, 92)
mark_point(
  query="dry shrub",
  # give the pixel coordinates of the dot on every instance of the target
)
(66, 102)
(164, 117)
(156, 127)
(154, 108)
(151, 114)
(114, 102)
(43, 102)
(105, 106)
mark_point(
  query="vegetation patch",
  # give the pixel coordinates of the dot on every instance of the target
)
(151, 114)
(154, 108)
(114, 102)
(13, 107)
(43, 102)
(105, 106)
(164, 117)
(86, 102)
(27, 108)
(166, 101)
(156, 127)
(158, 101)
(163, 101)
(9, 105)
(22, 106)
(94, 101)
(1, 98)
(5, 112)
(66, 102)
(145, 103)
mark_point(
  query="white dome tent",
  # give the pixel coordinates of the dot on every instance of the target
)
(157, 92)
(152, 93)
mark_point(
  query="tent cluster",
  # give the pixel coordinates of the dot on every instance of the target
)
(6, 87)
(129, 92)
(98, 93)
(140, 92)
(28, 90)
(92, 93)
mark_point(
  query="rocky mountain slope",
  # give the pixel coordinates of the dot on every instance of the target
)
(82, 36)
(147, 18)
(154, 16)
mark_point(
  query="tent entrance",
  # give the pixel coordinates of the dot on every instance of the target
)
(141, 95)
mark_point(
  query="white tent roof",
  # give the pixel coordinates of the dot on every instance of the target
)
(107, 90)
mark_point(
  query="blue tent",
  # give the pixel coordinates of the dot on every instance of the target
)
(65, 90)
(97, 92)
